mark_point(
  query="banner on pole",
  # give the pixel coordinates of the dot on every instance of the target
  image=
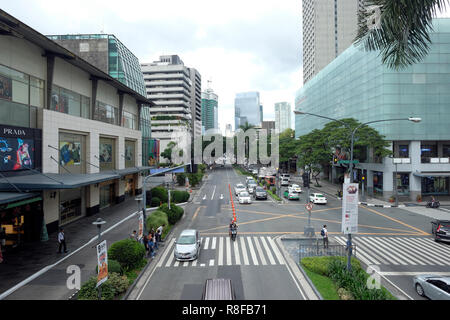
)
(141, 226)
(102, 262)
(350, 208)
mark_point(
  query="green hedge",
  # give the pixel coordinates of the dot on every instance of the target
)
(179, 196)
(156, 202)
(161, 193)
(174, 214)
(320, 265)
(156, 219)
(128, 252)
(88, 290)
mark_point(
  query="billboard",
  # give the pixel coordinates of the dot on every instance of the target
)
(102, 262)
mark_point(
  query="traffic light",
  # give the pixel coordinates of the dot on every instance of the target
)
(305, 178)
(335, 159)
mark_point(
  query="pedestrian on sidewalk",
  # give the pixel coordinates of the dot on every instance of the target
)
(62, 240)
(159, 232)
(133, 236)
(145, 241)
(151, 245)
(324, 234)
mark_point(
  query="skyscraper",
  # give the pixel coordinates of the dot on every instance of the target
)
(282, 116)
(247, 108)
(329, 27)
(210, 116)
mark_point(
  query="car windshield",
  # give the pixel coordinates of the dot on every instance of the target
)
(240, 186)
(259, 189)
(320, 196)
(244, 194)
(186, 240)
(294, 186)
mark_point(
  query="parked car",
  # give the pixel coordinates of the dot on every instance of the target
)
(187, 246)
(291, 195)
(218, 289)
(441, 230)
(317, 198)
(251, 187)
(284, 181)
(295, 187)
(239, 188)
(244, 197)
(432, 287)
(260, 193)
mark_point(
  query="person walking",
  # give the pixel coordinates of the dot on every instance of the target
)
(145, 241)
(151, 245)
(133, 236)
(62, 240)
(159, 232)
(324, 234)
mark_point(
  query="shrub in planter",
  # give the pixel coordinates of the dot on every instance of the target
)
(156, 202)
(181, 179)
(156, 219)
(128, 252)
(88, 290)
(119, 283)
(160, 193)
(179, 196)
(174, 214)
(113, 266)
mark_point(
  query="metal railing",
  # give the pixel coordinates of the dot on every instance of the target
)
(316, 249)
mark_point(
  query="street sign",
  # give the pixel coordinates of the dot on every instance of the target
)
(348, 161)
(309, 206)
(350, 208)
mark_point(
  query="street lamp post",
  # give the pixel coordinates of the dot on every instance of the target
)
(412, 119)
(99, 222)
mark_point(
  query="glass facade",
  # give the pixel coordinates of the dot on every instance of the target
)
(247, 108)
(70, 102)
(356, 84)
(20, 96)
(209, 114)
(106, 113)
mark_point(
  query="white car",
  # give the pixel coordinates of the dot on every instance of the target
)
(239, 188)
(244, 197)
(284, 182)
(252, 187)
(317, 198)
(286, 176)
(254, 171)
(295, 187)
(248, 179)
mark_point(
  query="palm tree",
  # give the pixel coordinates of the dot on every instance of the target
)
(399, 29)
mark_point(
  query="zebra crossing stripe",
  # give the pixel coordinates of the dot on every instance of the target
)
(185, 264)
(260, 252)
(228, 250)
(362, 246)
(236, 253)
(213, 244)
(388, 247)
(171, 257)
(206, 243)
(385, 252)
(360, 253)
(432, 249)
(252, 251)
(269, 254)
(442, 248)
(194, 263)
(165, 253)
(276, 251)
(211, 262)
(405, 248)
(176, 264)
(244, 252)
(220, 260)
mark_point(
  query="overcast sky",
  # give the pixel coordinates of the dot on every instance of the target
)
(240, 45)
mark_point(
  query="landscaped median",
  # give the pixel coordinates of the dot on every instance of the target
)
(330, 277)
(126, 258)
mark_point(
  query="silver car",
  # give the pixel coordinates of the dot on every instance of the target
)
(187, 246)
(432, 287)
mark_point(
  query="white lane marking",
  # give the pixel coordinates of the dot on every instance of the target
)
(202, 265)
(220, 258)
(276, 251)
(211, 262)
(194, 263)
(408, 250)
(252, 251)
(260, 252)
(176, 264)
(438, 247)
(172, 256)
(269, 254)
(214, 191)
(406, 273)
(221, 196)
(228, 250)
(206, 243)
(244, 251)
(426, 253)
(236, 253)
(213, 244)
(404, 261)
(166, 252)
(204, 197)
(369, 248)
(185, 264)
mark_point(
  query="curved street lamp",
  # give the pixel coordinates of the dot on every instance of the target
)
(412, 119)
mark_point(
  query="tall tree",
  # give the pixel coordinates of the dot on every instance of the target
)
(167, 153)
(399, 29)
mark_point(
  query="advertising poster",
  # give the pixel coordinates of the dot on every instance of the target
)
(69, 153)
(141, 226)
(102, 262)
(5, 88)
(129, 151)
(350, 208)
(16, 154)
(105, 152)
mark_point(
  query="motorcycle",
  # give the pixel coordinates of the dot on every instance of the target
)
(233, 234)
(434, 204)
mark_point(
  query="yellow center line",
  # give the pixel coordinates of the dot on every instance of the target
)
(196, 212)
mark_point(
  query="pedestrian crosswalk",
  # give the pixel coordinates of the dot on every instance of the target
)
(245, 250)
(416, 251)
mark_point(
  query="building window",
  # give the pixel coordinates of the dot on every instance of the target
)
(70, 102)
(435, 186)
(107, 154)
(129, 154)
(106, 113)
(446, 150)
(428, 150)
(71, 205)
(129, 120)
(403, 151)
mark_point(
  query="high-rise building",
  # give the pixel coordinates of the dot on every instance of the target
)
(210, 112)
(261, 113)
(268, 126)
(228, 130)
(329, 27)
(247, 108)
(111, 56)
(176, 92)
(282, 116)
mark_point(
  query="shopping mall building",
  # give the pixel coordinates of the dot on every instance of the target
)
(70, 141)
(357, 85)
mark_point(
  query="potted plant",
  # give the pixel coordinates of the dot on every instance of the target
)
(419, 198)
(391, 199)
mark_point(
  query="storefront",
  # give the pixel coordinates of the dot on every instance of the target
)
(130, 185)
(402, 183)
(72, 205)
(438, 186)
(378, 183)
(22, 220)
(107, 194)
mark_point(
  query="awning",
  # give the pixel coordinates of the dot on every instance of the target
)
(54, 181)
(166, 170)
(431, 174)
(7, 197)
(127, 171)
